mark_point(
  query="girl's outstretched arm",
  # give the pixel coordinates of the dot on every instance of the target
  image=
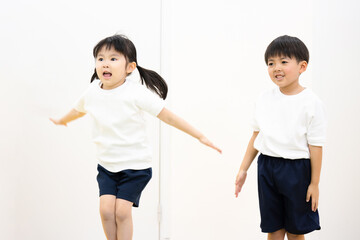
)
(70, 116)
(170, 118)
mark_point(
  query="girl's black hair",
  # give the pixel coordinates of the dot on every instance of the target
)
(289, 47)
(122, 44)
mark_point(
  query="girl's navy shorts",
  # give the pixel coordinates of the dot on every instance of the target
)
(127, 184)
(282, 186)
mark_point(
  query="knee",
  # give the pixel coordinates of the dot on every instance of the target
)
(295, 237)
(123, 215)
(107, 213)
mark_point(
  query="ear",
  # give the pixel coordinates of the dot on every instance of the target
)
(130, 67)
(303, 66)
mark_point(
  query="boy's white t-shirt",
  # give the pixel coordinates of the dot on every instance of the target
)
(287, 124)
(119, 130)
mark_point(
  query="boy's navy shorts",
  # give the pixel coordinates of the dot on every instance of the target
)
(127, 184)
(282, 186)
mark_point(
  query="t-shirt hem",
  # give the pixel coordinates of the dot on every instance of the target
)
(120, 166)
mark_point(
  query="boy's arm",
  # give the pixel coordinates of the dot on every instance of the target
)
(313, 189)
(250, 154)
(170, 118)
(70, 116)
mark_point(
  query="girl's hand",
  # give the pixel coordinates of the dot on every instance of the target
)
(239, 182)
(58, 122)
(207, 142)
(313, 193)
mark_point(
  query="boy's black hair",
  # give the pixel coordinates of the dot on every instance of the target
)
(123, 45)
(287, 46)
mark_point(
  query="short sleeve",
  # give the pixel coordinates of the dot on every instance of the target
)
(316, 134)
(80, 104)
(149, 101)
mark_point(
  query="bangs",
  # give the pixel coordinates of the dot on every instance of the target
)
(286, 46)
(279, 50)
(117, 42)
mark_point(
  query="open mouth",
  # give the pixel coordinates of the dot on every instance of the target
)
(107, 74)
(279, 77)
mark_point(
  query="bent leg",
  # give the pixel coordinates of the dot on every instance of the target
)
(107, 213)
(124, 219)
(278, 235)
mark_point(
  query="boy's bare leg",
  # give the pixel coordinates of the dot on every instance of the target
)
(278, 235)
(295, 237)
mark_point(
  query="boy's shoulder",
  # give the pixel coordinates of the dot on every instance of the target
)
(312, 97)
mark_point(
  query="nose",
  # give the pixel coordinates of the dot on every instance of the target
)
(277, 68)
(105, 64)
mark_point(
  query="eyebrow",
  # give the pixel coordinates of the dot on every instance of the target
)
(270, 59)
(112, 55)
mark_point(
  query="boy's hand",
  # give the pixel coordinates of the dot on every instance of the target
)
(239, 182)
(313, 193)
(207, 142)
(58, 122)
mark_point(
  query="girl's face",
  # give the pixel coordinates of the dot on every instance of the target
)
(112, 68)
(285, 71)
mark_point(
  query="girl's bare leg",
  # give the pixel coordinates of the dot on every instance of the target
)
(124, 219)
(107, 213)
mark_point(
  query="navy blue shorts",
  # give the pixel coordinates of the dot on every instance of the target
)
(282, 186)
(127, 184)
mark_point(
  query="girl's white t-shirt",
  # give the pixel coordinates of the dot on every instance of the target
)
(287, 124)
(119, 130)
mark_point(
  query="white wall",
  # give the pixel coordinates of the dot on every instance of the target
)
(218, 69)
(48, 173)
(337, 80)
(212, 57)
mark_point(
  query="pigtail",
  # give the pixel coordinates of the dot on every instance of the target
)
(153, 81)
(94, 76)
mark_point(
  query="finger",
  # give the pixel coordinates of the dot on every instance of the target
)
(308, 195)
(218, 149)
(210, 144)
(237, 191)
(314, 205)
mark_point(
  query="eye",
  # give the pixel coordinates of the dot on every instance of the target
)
(270, 64)
(283, 62)
(100, 59)
(113, 59)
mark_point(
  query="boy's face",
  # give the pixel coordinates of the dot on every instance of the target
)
(112, 68)
(285, 71)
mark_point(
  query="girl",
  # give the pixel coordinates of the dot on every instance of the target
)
(116, 106)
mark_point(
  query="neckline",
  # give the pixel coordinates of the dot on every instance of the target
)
(118, 88)
(291, 96)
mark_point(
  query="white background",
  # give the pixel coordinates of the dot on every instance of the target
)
(211, 54)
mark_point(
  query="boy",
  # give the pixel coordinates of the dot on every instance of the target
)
(289, 132)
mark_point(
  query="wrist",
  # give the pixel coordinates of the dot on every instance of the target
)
(62, 122)
(314, 183)
(242, 170)
(201, 136)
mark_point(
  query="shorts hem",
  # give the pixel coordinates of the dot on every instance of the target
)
(124, 197)
(128, 198)
(271, 229)
(306, 231)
